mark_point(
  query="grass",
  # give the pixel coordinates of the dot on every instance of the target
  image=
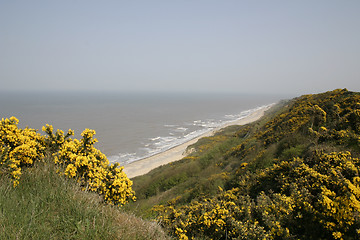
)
(48, 206)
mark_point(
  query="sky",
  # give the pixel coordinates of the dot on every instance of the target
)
(292, 47)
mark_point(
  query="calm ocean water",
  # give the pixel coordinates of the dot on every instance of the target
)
(131, 126)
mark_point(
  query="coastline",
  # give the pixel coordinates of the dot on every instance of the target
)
(143, 166)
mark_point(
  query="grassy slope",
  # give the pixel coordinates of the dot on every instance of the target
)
(47, 206)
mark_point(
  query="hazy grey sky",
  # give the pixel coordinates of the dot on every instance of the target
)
(273, 46)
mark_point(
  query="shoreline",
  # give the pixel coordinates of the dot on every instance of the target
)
(145, 165)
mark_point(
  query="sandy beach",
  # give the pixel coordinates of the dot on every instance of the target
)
(145, 165)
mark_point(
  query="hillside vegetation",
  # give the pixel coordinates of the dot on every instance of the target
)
(292, 175)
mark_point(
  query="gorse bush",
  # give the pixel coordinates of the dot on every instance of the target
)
(19, 148)
(79, 159)
(310, 199)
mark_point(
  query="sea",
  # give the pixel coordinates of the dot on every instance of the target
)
(131, 126)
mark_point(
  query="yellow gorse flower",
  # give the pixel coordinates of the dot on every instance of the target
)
(91, 168)
(20, 148)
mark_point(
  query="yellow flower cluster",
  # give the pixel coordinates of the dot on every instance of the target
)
(290, 198)
(349, 131)
(79, 159)
(54, 141)
(82, 161)
(214, 218)
(291, 121)
(324, 192)
(18, 147)
(314, 112)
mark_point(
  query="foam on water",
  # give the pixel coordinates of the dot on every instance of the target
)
(178, 135)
